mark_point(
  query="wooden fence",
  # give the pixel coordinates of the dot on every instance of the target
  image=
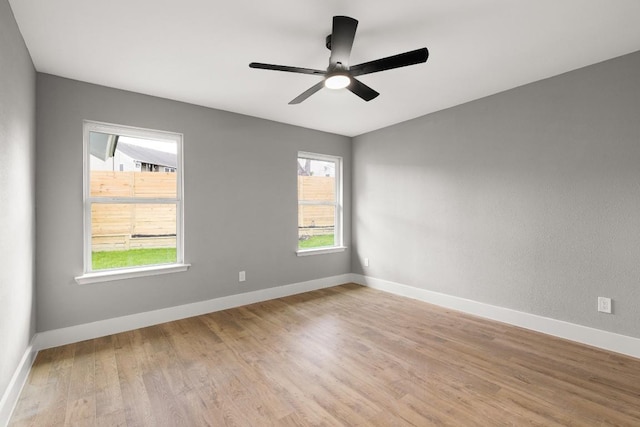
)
(133, 184)
(130, 226)
(316, 220)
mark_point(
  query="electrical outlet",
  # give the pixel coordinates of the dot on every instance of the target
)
(366, 262)
(242, 276)
(604, 305)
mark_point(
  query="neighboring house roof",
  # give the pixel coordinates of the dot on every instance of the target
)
(148, 155)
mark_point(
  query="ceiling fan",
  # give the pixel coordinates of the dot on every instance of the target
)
(339, 74)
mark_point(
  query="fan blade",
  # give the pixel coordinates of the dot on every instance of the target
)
(287, 68)
(307, 93)
(342, 35)
(402, 60)
(362, 90)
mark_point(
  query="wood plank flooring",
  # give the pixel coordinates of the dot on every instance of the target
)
(347, 355)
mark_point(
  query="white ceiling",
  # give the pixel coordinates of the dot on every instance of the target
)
(198, 51)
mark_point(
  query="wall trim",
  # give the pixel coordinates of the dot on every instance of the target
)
(610, 341)
(101, 328)
(18, 380)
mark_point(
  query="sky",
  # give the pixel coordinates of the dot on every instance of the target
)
(167, 147)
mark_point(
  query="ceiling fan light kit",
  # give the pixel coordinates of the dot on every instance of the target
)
(339, 74)
(337, 81)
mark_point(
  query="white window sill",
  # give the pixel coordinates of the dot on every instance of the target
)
(129, 273)
(320, 251)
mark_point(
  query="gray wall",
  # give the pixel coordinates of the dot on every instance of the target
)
(239, 195)
(17, 196)
(529, 199)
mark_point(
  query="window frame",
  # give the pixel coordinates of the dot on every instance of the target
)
(91, 276)
(338, 235)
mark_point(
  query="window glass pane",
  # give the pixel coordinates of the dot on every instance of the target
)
(316, 225)
(316, 180)
(132, 167)
(129, 235)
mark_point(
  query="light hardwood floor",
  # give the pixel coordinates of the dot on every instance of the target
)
(341, 356)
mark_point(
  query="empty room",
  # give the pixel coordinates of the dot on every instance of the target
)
(303, 213)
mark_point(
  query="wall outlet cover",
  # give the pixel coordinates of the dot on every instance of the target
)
(604, 305)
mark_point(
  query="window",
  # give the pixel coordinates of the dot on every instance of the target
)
(132, 202)
(319, 203)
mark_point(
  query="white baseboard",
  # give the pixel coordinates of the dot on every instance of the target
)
(623, 344)
(101, 328)
(11, 394)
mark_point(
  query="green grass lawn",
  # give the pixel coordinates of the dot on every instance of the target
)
(316, 241)
(136, 257)
(132, 258)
